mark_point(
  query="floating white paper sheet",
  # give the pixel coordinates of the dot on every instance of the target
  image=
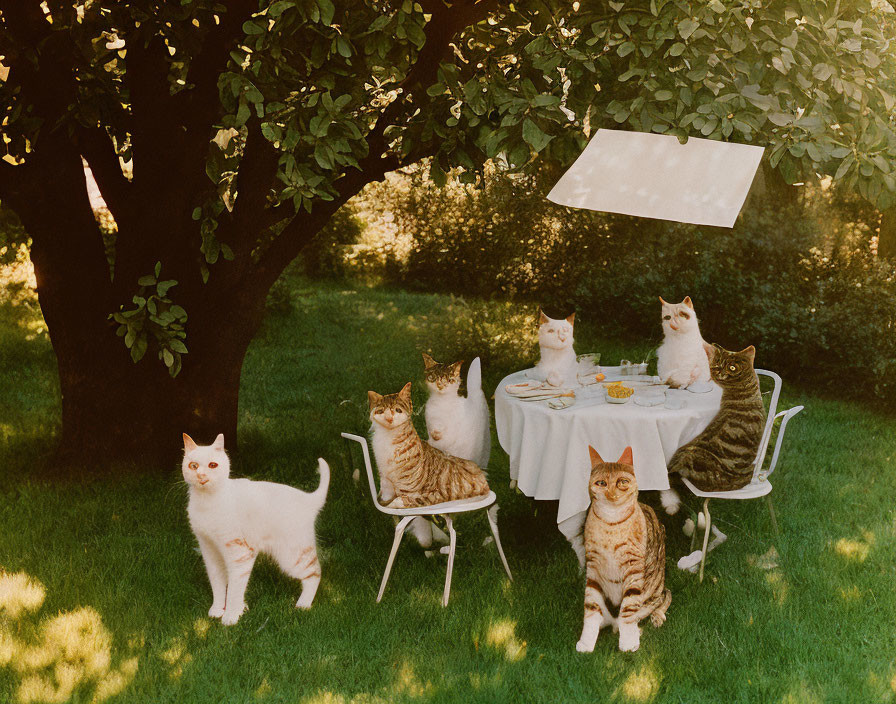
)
(704, 182)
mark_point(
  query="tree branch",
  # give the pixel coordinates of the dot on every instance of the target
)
(95, 146)
(440, 31)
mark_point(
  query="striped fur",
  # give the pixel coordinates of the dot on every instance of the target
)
(721, 457)
(412, 472)
(625, 557)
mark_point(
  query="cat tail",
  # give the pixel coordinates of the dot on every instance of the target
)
(474, 378)
(320, 494)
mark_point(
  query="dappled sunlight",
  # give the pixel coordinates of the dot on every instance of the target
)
(501, 636)
(801, 693)
(642, 685)
(850, 594)
(20, 593)
(176, 657)
(263, 690)
(69, 652)
(780, 586)
(855, 550)
(407, 685)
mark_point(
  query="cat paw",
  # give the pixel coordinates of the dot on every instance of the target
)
(584, 647)
(671, 501)
(216, 611)
(688, 527)
(304, 603)
(629, 639)
(229, 619)
(691, 562)
(658, 618)
(397, 502)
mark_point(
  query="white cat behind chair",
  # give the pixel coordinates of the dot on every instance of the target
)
(456, 424)
(558, 364)
(681, 359)
(236, 519)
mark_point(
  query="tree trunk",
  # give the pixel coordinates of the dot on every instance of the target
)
(886, 241)
(114, 409)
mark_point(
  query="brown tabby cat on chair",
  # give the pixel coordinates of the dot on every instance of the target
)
(721, 457)
(413, 472)
(625, 556)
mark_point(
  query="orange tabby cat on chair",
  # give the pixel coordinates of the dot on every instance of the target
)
(413, 472)
(625, 556)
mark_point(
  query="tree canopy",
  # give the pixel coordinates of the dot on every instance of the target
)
(245, 124)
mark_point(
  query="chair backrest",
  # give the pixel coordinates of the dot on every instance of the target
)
(770, 419)
(365, 450)
(785, 417)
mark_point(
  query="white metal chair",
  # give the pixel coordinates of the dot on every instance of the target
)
(446, 510)
(759, 485)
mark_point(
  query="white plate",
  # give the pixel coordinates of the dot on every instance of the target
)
(700, 387)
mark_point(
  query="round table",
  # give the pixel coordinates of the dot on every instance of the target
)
(548, 448)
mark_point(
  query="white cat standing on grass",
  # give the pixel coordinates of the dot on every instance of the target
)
(558, 365)
(236, 519)
(457, 425)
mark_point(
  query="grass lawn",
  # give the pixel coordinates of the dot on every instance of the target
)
(104, 597)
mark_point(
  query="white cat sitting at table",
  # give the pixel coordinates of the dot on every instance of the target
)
(681, 359)
(558, 364)
(236, 519)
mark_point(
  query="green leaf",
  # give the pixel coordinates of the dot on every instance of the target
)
(533, 135)
(687, 27)
(167, 357)
(249, 27)
(677, 49)
(663, 95)
(625, 48)
(158, 269)
(148, 280)
(164, 286)
(178, 346)
(326, 12)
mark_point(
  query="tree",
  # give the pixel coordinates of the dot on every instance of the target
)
(248, 123)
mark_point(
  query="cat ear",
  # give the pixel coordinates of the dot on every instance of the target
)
(710, 350)
(749, 353)
(627, 457)
(189, 444)
(542, 317)
(595, 457)
(218, 444)
(571, 319)
(662, 301)
(688, 302)
(456, 367)
(373, 398)
(405, 393)
(428, 362)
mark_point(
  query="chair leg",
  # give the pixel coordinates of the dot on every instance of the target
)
(349, 461)
(399, 533)
(452, 545)
(494, 526)
(771, 511)
(705, 536)
(694, 534)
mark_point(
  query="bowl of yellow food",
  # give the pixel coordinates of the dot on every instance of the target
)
(617, 392)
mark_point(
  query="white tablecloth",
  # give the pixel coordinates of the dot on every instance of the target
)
(549, 448)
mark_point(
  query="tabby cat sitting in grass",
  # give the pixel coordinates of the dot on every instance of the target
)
(413, 472)
(721, 457)
(625, 556)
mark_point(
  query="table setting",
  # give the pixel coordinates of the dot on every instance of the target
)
(546, 429)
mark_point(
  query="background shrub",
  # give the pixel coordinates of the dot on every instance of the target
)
(797, 276)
